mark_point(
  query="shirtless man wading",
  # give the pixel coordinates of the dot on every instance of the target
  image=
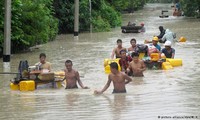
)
(137, 66)
(72, 77)
(118, 78)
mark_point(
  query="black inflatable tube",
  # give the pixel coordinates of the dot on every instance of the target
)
(129, 31)
(131, 27)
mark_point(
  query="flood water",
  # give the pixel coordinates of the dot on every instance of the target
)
(171, 94)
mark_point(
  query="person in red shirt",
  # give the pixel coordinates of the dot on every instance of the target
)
(124, 61)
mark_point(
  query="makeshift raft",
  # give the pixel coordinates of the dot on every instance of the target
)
(36, 78)
(131, 29)
(164, 64)
(154, 63)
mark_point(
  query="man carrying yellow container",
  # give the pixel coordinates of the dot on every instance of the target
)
(154, 48)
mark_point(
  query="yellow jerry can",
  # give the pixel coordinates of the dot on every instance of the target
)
(166, 66)
(28, 85)
(107, 65)
(141, 55)
(175, 62)
(154, 56)
(14, 86)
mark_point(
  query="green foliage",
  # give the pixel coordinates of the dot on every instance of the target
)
(17, 32)
(31, 23)
(39, 25)
(191, 8)
(119, 5)
(84, 15)
(100, 25)
(159, 1)
(103, 16)
(34, 21)
(136, 4)
(129, 5)
(64, 12)
(110, 15)
(1, 22)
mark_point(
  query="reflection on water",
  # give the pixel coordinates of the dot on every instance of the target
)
(160, 93)
(118, 105)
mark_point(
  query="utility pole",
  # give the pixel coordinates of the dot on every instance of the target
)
(76, 18)
(7, 34)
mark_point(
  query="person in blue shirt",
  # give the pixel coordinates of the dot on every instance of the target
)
(168, 50)
(155, 43)
(177, 10)
(177, 5)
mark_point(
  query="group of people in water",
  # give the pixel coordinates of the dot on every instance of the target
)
(166, 35)
(71, 75)
(130, 63)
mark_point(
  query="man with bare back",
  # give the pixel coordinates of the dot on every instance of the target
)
(72, 77)
(118, 78)
(136, 66)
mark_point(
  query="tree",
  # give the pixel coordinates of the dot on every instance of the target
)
(103, 15)
(191, 8)
(32, 23)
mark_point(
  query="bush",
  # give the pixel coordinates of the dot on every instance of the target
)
(112, 16)
(31, 23)
(103, 17)
(1, 23)
(100, 25)
(39, 25)
(191, 8)
(64, 13)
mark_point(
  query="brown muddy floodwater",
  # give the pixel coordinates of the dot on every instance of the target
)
(171, 94)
